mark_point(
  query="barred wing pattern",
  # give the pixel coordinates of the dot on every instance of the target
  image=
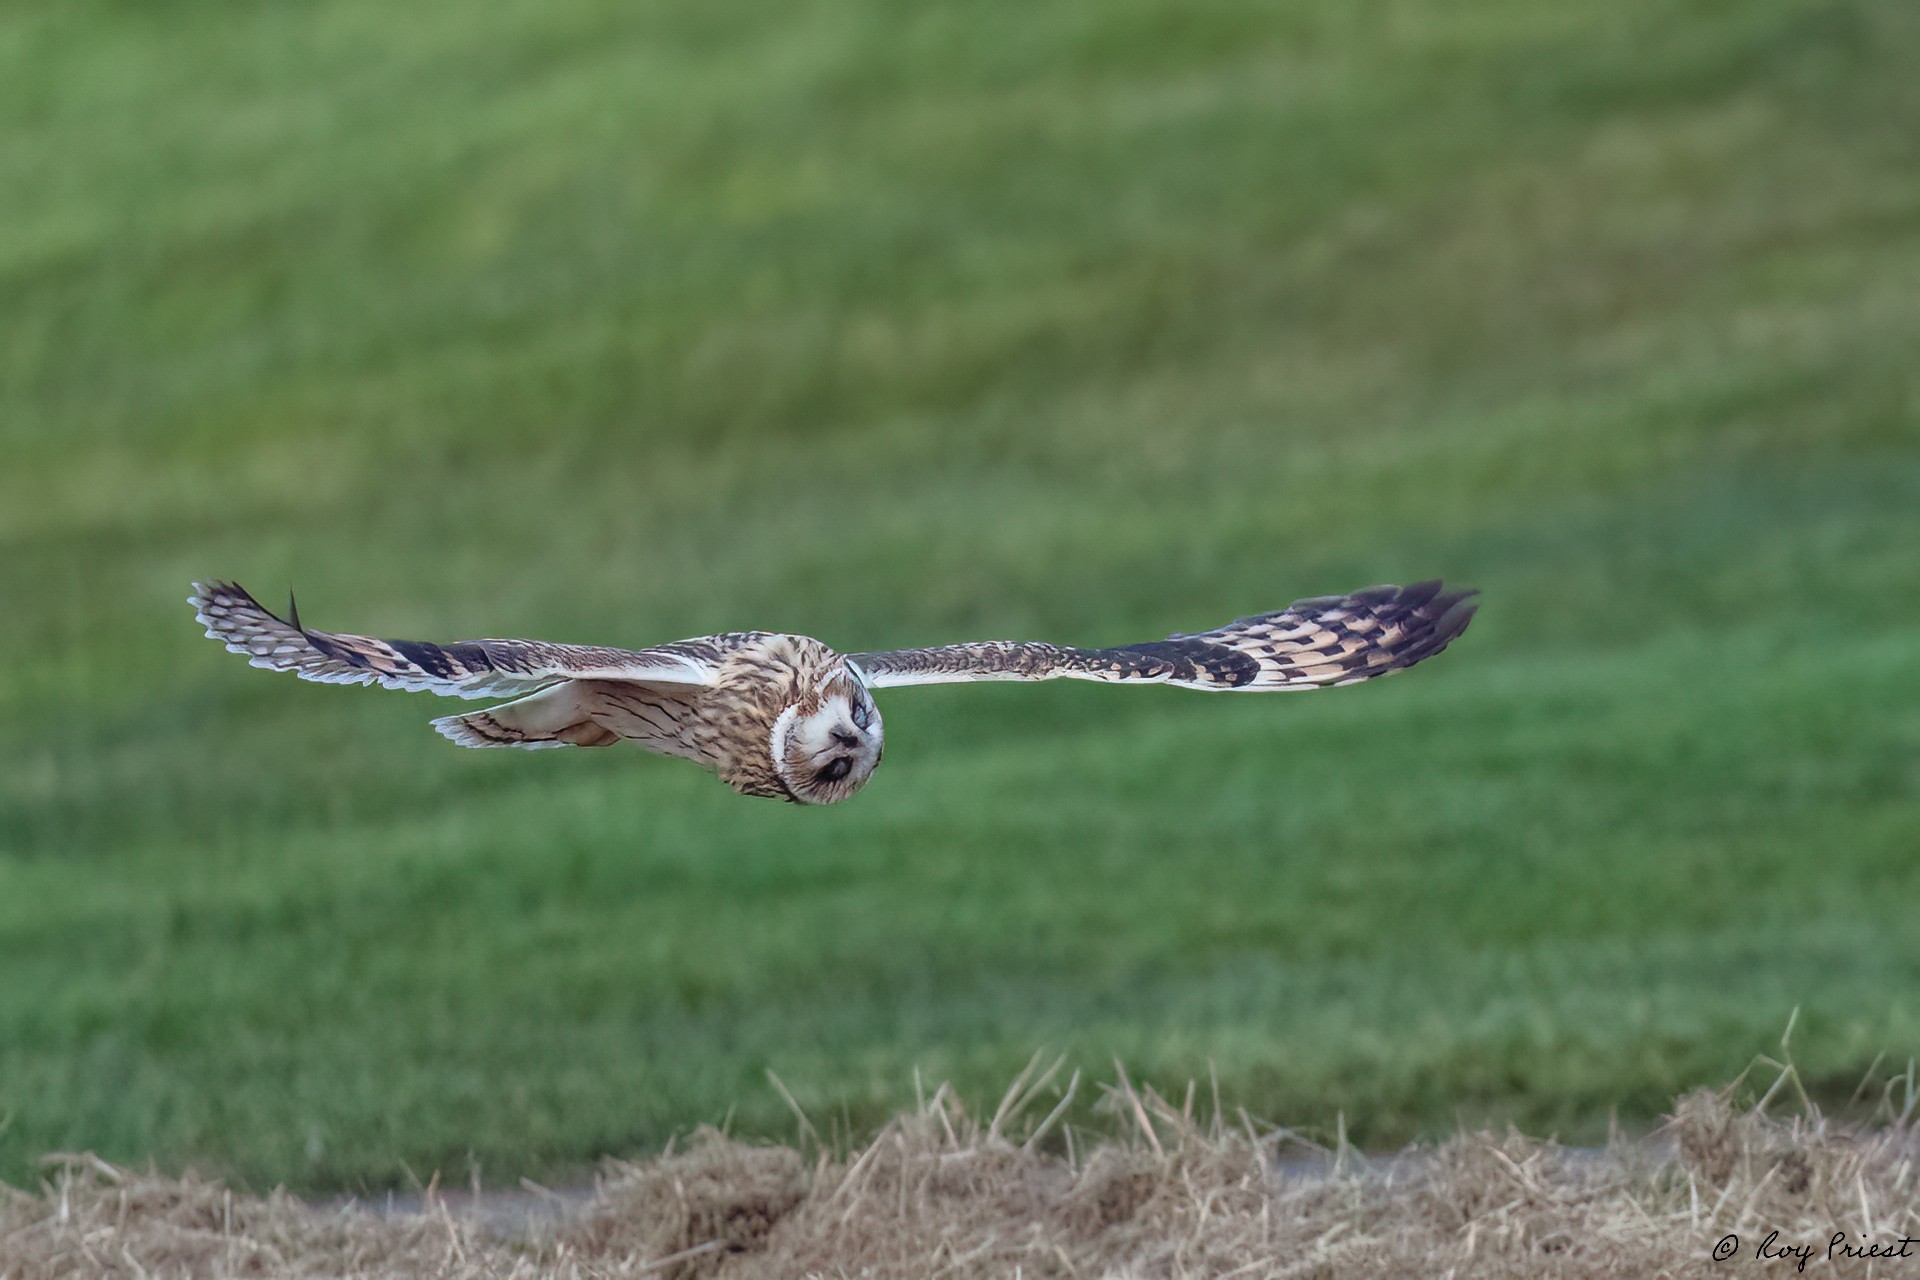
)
(465, 669)
(1326, 641)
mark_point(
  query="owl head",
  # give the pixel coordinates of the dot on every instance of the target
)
(826, 746)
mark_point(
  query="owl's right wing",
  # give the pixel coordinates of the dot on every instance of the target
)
(1329, 640)
(464, 669)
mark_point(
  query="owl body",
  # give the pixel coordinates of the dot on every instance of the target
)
(786, 717)
(783, 717)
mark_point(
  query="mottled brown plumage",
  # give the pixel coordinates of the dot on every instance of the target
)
(1328, 640)
(786, 717)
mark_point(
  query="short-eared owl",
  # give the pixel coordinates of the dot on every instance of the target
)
(785, 716)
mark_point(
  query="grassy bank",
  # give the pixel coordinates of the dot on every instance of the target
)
(1158, 1188)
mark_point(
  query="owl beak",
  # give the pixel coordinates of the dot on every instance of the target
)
(846, 737)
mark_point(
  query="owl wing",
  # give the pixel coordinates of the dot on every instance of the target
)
(1329, 640)
(464, 669)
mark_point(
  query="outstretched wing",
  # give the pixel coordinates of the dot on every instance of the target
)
(1329, 640)
(465, 669)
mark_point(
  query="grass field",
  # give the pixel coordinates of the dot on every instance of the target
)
(897, 324)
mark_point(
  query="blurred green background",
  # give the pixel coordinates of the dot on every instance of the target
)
(1089, 321)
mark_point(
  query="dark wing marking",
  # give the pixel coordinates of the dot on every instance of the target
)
(465, 669)
(1310, 644)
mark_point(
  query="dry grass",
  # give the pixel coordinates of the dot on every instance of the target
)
(941, 1193)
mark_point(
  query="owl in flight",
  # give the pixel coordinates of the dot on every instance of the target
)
(788, 718)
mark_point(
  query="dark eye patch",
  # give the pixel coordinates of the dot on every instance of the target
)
(837, 769)
(862, 715)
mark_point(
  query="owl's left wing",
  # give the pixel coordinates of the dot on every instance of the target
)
(1329, 640)
(463, 669)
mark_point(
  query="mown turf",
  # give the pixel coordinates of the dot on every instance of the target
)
(894, 324)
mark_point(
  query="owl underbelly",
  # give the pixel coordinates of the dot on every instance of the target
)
(716, 728)
(662, 718)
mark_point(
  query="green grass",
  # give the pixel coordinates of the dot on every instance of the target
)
(896, 324)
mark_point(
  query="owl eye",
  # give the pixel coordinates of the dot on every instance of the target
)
(861, 715)
(837, 769)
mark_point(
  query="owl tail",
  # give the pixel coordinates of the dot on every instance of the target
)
(551, 718)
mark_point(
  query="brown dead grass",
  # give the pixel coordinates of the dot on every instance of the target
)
(942, 1194)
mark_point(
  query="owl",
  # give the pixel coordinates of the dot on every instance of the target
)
(786, 717)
